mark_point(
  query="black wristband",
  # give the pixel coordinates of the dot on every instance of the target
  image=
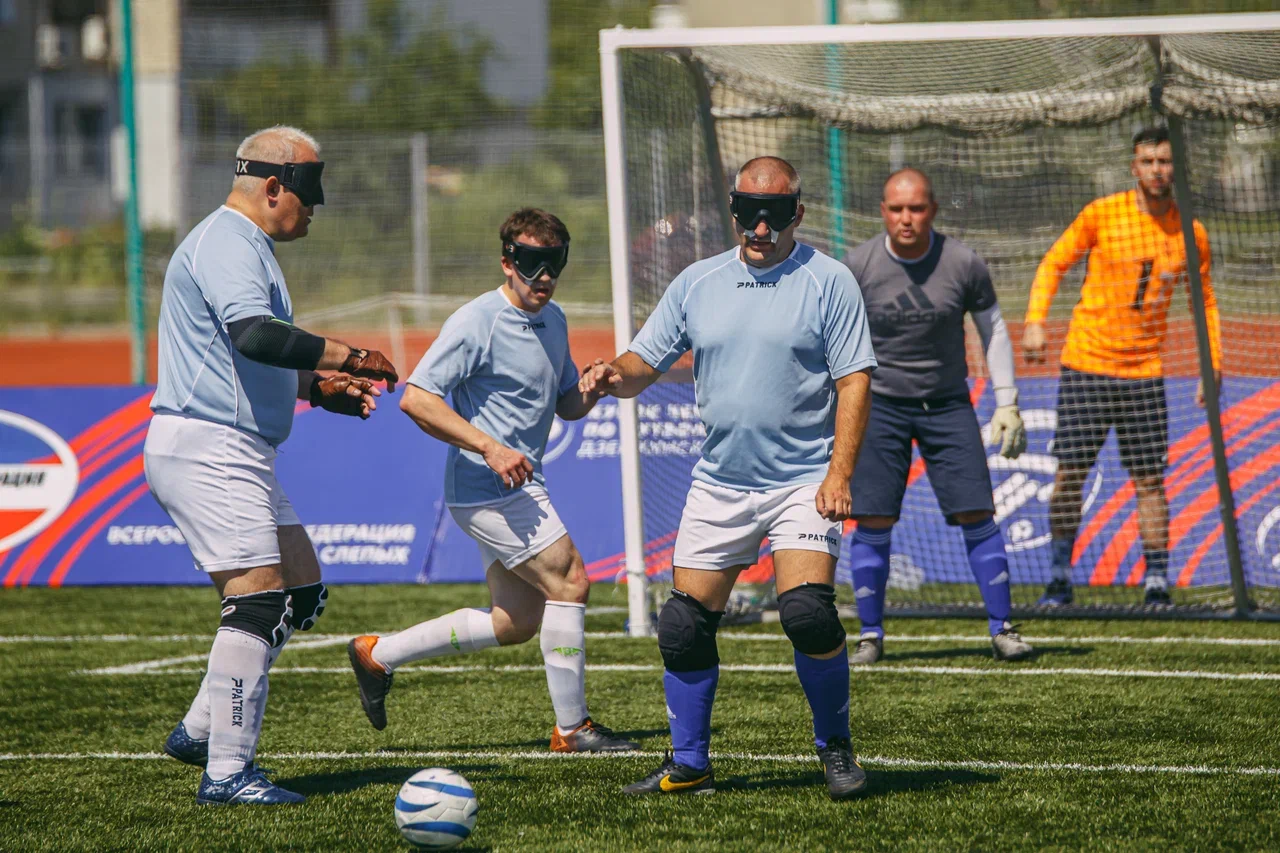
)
(314, 391)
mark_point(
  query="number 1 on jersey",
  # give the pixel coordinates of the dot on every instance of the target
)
(1143, 280)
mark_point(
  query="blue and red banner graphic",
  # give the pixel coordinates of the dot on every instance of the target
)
(75, 508)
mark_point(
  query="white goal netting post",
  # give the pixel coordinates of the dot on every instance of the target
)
(1020, 125)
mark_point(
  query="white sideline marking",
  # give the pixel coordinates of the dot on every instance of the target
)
(873, 760)
(621, 635)
(163, 663)
(134, 669)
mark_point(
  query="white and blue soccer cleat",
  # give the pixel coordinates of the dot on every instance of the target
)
(248, 787)
(185, 748)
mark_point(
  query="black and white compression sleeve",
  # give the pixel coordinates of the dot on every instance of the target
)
(275, 342)
(999, 349)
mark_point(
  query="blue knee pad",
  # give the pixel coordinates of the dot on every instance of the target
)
(809, 618)
(687, 634)
(264, 615)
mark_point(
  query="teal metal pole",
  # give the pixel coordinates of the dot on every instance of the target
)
(835, 149)
(132, 227)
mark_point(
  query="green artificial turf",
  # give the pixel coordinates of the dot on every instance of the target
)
(961, 752)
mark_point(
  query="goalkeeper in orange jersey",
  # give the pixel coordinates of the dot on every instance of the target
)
(1112, 375)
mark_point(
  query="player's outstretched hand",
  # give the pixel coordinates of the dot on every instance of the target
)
(833, 501)
(511, 465)
(599, 379)
(345, 395)
(371, 364)
(1007, 428)
(1033, 342)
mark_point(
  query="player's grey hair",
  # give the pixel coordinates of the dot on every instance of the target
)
(760, 167)
(277, 144)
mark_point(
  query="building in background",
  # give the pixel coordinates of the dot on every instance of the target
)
(58, 105)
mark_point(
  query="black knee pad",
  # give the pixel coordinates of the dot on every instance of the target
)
(810, 619)
(308, 604)
(264, 615)
(687, 634)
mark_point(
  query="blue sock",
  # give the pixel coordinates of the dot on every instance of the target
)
(985, 544)
(1062, 548)
(1157, 566)
(690, 696)
(869, 560)
(826, 686)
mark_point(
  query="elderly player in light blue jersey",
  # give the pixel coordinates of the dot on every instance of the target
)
(918, 285)
(232, 368)
(781, 363)
(504, 360)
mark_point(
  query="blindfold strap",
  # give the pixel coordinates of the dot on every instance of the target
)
(303, 179)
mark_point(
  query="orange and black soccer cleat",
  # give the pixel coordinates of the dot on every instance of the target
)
(590, 737)
(372, 678)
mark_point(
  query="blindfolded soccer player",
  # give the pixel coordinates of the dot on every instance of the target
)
(782, 363)
(232, 366)
(918, 285)
(504, 358)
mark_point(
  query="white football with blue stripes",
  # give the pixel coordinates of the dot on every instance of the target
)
(436, 809)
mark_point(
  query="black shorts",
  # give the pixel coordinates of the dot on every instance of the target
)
(950, 442)
(1089, 405)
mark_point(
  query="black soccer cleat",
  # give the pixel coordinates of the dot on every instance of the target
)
(590, 737)
(372, 678)
(673, 778)
(845, 776)
(1057, 594)
(185, 748)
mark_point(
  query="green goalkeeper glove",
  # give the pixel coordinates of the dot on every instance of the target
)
(1007, 428)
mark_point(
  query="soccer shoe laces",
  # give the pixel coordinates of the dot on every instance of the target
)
(598, 728)
(837, 755)
(1013, 632)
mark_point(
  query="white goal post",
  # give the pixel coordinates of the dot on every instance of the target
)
(838, 107)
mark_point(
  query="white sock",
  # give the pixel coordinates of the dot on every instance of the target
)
(564, 652)
(456, 633)
(237, 696)
(197, 719)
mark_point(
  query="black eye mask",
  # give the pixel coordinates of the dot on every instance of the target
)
(301, 179)
(532, 261)
(777, 211)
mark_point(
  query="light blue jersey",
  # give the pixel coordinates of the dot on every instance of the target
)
(505, 368)
(225, 270)
(768, 345)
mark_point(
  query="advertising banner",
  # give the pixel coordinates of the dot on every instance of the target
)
(75, 508)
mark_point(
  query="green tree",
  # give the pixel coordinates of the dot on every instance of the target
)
(573, 91)
(430, 80)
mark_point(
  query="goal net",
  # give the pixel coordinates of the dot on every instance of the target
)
(1020, 127)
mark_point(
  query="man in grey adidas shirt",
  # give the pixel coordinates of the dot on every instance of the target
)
(918, 285)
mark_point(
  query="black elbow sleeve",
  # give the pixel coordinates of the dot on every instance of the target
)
(275, 342)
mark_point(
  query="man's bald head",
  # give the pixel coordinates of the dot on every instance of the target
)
(909, 178)
(768, 175)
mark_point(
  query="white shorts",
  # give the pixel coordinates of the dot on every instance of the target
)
(722, 528)
(514, 529)
(219, 486)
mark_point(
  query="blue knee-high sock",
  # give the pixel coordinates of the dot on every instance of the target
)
(690, 696)
(826, 686)
(869, 560)
(985, 544)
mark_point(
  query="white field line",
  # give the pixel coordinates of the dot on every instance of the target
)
(871, 760)
(164, 663)
(723, 635)
(135, 669)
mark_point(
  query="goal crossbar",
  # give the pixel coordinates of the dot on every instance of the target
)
(620, 38)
